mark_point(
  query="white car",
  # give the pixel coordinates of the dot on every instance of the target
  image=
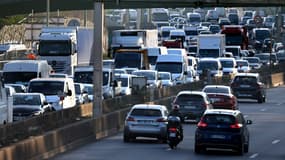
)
(166, 79)
(151, 76)
(126, 83)
(243, 66)
(229, 65)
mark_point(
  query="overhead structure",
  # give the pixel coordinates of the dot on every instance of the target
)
(13, 7)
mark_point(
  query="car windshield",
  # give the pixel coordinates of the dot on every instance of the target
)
(242, 63)
(148, 75)
(227, 64)
(47, 87)
(171, 67)
(26, 100)
(146, 112)
(124, 81)
(164, 76)
(207, 65)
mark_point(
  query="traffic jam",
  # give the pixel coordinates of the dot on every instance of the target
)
(183, 46)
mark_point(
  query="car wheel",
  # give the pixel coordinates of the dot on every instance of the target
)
(126, 138)
(241, 150)
(197, 149)
(264, 99)
(246, 146)
(260, 99)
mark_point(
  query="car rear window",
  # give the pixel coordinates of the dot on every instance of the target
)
(186, 98)
(216, 90)
(219, 119)
(245, 79)
(146, 112)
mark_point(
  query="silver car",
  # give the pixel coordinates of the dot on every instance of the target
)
(146, 120)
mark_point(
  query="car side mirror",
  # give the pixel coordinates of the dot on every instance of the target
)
(69, 93)
(45, 103)
(248, 121)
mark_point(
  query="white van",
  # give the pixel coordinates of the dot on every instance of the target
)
(22, 71)
(84, 74)
(59, 92)
(175, 64)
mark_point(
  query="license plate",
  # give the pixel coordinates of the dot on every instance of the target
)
(244, 95)
(215, 99)
(172, 134)
(218, 136)
(244, 86)
(190, 107)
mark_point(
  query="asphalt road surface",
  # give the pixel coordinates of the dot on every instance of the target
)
(267, 139)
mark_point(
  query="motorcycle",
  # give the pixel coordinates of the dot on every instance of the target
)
(174, 135)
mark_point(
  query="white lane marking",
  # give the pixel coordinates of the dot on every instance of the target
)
(254, 155)
(262, 110)
(275, 141)
(245, 116)
(279, 104)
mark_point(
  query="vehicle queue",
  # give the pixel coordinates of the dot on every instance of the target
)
(209, 107)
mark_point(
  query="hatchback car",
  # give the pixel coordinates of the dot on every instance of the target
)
(146, 120)
(222, 129)
(221, 96)
(192, 104)
(249, 86)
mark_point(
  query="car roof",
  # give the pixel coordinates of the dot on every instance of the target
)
(217, 86)
(248, 74)
(192, 93)
(148, 106)
(222, 111)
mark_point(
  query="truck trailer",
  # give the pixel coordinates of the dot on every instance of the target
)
(211, 45)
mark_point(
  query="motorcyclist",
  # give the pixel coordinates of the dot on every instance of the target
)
(176, 113)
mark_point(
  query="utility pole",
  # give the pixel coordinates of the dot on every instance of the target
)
(97, 56)
(48, 10)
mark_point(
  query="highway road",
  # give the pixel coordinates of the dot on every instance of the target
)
(267, 139)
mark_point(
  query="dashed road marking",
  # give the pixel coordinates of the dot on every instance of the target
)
(264, 109)
(254, 155)
(275, 141)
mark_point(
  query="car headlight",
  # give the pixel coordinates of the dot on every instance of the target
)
(37, 113)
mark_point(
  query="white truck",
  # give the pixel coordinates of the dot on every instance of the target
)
(65, 47)
(133, 39)
(6, 106)
(211, 45)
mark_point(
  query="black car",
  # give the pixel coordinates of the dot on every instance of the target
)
(249, 86)
(222, 129)
(192, 104)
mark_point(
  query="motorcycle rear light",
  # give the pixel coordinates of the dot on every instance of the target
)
(130, 119)
(161, 120)
(172, 129)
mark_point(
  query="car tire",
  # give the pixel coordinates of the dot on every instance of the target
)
(264, 99)
(241, 150)
(260, 99)
(126, 138)
(197, 149)
(246, 146)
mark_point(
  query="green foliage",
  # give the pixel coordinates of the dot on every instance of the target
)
(10, 20)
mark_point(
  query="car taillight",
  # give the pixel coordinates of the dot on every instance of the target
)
(161, 120)
(236, 126)
(172, 129)
(130, 119)
(202, 124)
